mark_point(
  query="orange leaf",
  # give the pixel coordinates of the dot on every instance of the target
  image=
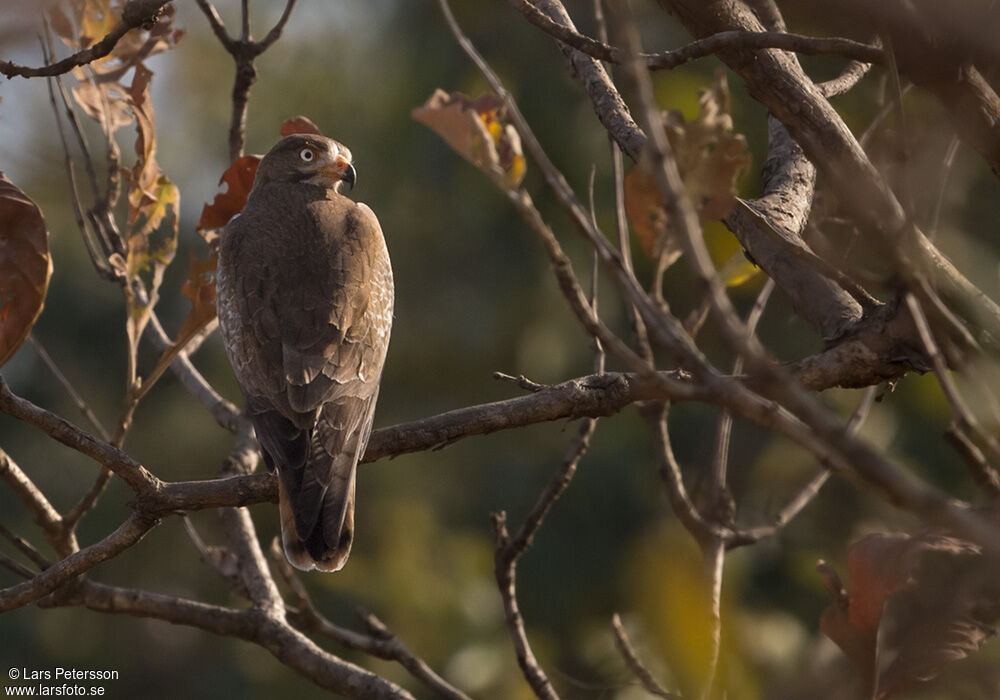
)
(199, 287)
(98, 18)
(238, 179)
(299, 125)
(25, 266)
(644, 208)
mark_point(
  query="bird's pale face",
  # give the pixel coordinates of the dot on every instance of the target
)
(314, 160)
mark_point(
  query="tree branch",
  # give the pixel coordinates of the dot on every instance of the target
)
(635, 665)
(287, 645)
(127, 534)
(135, 14)
(701, 48)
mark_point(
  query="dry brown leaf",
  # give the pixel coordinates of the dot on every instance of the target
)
(882, 566)
(475, 129)
(25, 266)
(710, 157)
(105, 103)
(238, 180)
(299, 125)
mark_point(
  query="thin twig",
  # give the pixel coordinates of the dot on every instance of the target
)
(286, 644)
(244, 51)
(89, 499)
(966, 419)
(702, 47)
(45, 514)
(13, 566)
(135, 14)
(808, 492)
(68, 386)
(68, 568)
(634, 663)
(380, 643)
(504, 569)
(945, 173)
(984, 474)
(25, 547)
(61, 430)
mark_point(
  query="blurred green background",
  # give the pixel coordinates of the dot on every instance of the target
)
(474, 295)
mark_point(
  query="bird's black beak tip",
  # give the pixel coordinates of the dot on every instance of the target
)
(350, 176)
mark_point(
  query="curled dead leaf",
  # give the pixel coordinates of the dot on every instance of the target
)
(883, 566)
(710, 157)
(25, 266)
(475, 129)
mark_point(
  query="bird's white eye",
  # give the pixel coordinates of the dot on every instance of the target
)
(307, 154)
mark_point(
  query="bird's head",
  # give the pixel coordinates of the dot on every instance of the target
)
(310, 159)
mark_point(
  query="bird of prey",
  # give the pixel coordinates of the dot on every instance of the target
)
(305, 296)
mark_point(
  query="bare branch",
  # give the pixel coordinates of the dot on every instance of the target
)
(26, 548)
(275, 33)
(703, 47)
(64, 570)
(243, 50)
(287, 645)
(135, 14)
(68, 386)
(61, 430)
(89, 499)
(829, 144)
(608, 105)
(215, 22)
(966, 420)
(15, 567)
(504, 567)
(703, 531)
(380, 642)
(809, 492)
(984, 474)
(44, 513)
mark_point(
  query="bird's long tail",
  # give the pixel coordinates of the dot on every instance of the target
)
(327, 546)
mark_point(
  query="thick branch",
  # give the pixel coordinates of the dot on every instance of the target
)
(287, 645)
(789, 182)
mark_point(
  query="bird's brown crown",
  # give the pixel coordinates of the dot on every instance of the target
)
(310, 159)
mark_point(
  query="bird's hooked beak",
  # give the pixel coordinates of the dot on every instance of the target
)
(341, 170)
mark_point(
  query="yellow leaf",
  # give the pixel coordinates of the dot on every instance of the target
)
(737, 270)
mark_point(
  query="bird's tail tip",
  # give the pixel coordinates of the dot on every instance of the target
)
(313, 554)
